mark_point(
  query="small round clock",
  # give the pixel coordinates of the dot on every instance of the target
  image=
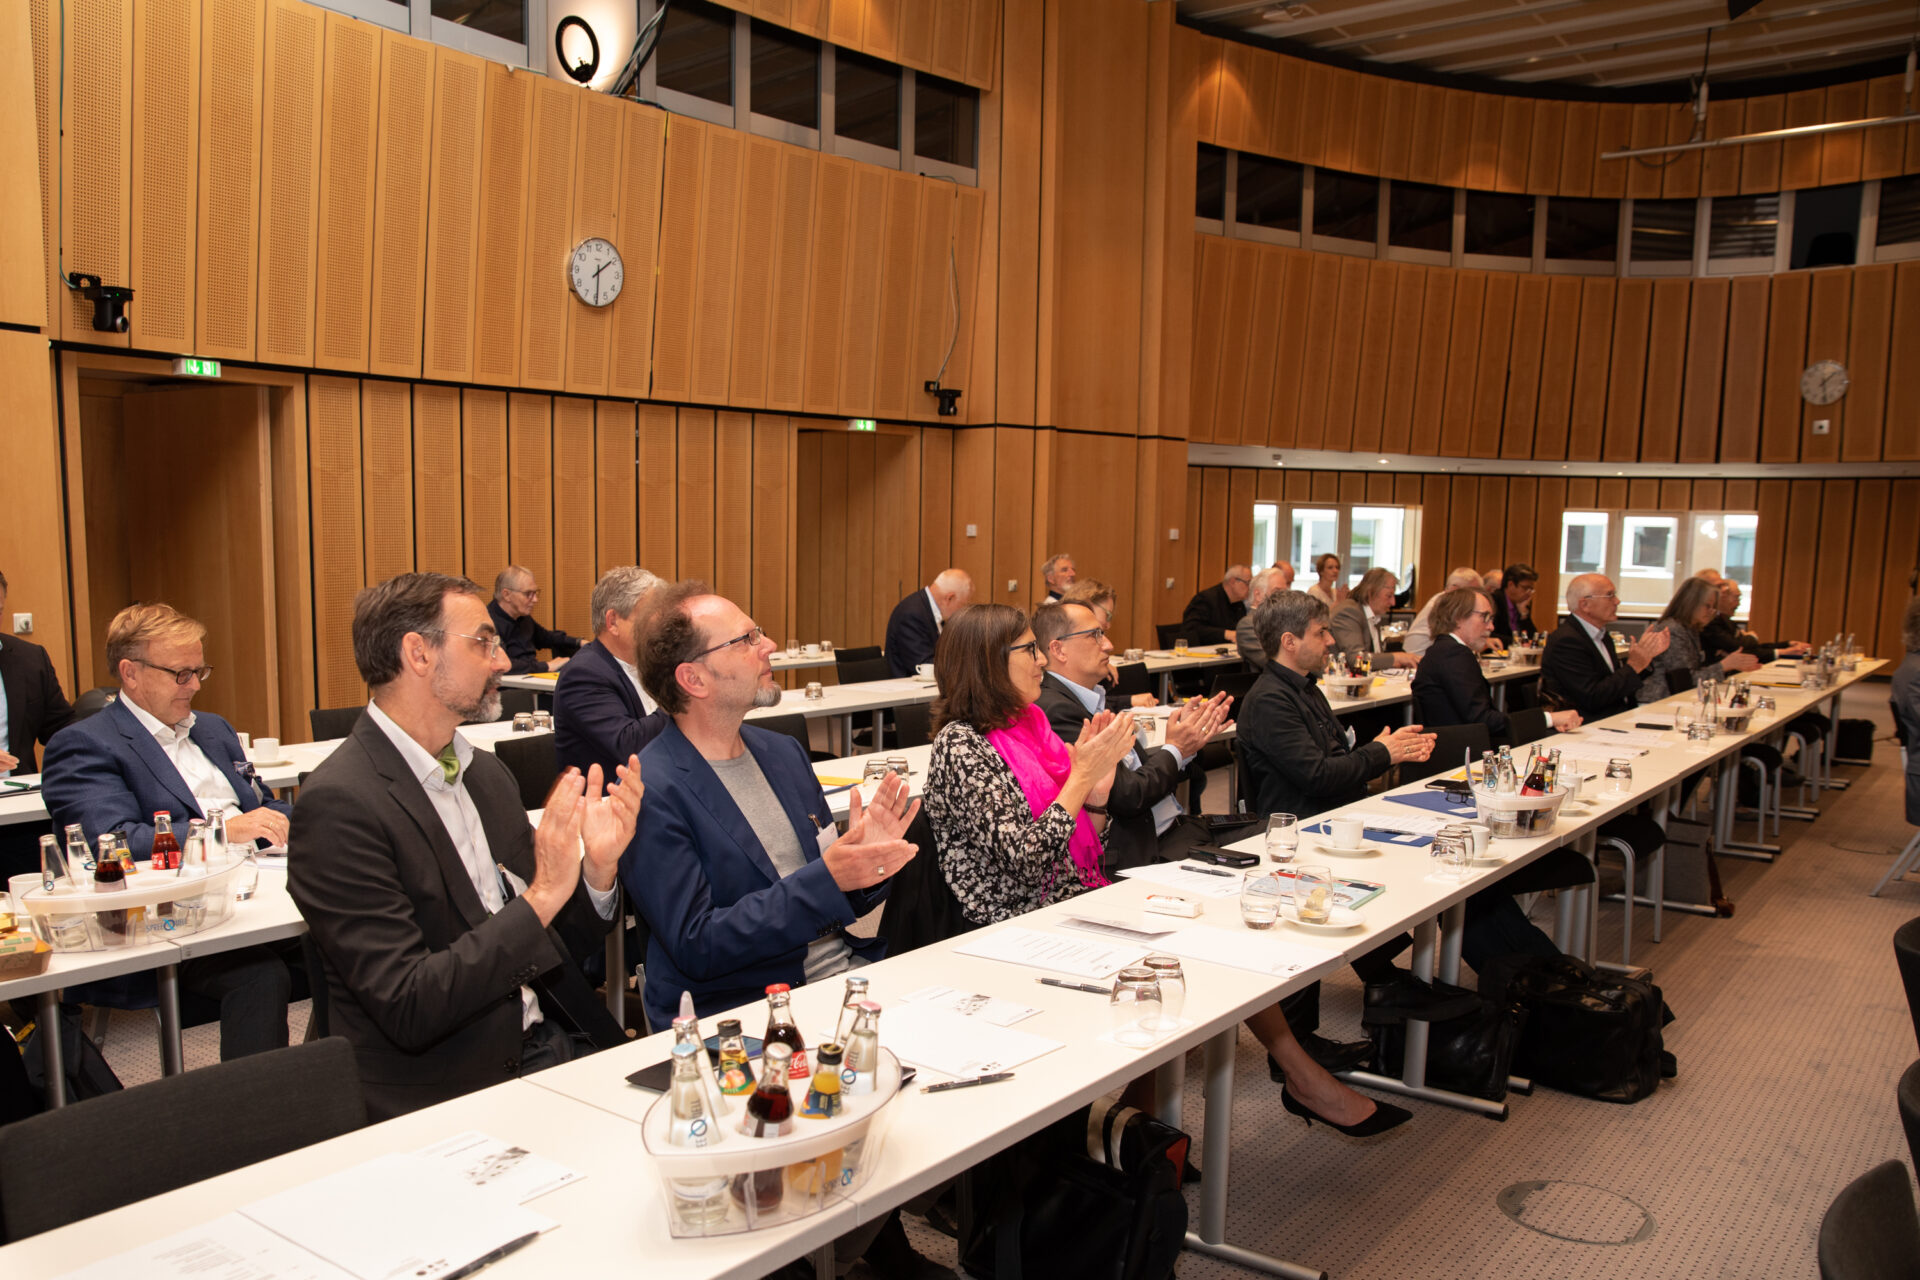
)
(1824, 382)
(595, 272)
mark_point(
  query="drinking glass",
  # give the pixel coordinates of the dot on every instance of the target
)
(1260, 900)
(793, 648)
(1453, 849)
(826, 646)
(1283, 837)
(1173, 989)
(1135, 1007)
(1619, 775)
(1312, 894)
(1180, 647)
(814, 691)
(1684, 714)
(871, 777)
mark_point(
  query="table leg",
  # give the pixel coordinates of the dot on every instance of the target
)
(1453, 931)
(1500, 695)
(1169, 1090)
(1726, 799)
(879, 719)
(172, 1057)
(1166, 688)
(47, 1014)
(1827, 781)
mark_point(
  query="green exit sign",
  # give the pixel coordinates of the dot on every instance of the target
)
(189, 368)
(860, 424)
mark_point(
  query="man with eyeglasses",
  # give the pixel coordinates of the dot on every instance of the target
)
(150, 752)
(515, 593)
(1215, 611)
(1578, 668)
(1145, 822)
(1449, 688)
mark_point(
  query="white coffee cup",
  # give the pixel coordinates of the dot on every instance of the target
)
(924, 670)
(264, 749)
(1345, 832)
(812, 650)
(1482, 836)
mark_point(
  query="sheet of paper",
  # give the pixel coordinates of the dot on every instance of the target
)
(1272, 952)
(1630, 737)
(1200, 884)
(1050, 951)
(937, 1039)
(411, 1216)
(972, 1004)
(1598, 752)
(500, 1168)
(1404, 819)
(1134, 930)
(228, 1248)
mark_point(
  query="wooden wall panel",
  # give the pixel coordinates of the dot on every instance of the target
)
(1376, 356)
(1517, 117)
(899, 259)
(1269, 304)
(1490, 377)
(530, 492)
(1369, 123)
(483, 455)
(1456, 139)
(733, 489)
(1760, 161)
(1666, 369)
(1483, 143)
(1531, 296)
(936, 500)
(774, 530)
(599, 180)
(1800, 157)
(1316, 355)
(1866, 566)
(694, 489)
(1841, 153)
(683, 218)
(792, 262)
(505, 142)
(1869, 330)
(1212, 277)
(1580, 150)
(1559, 358)
(289, 180)
(1720, 171)
(1336, 152)
(809, 447)
(971, 505)
(230, 69)
(349, 131)
(1706, 349)
(1743, 387)
(1835, 545)
(1544, 147)
(544, 292)
(436, 480)
(1019, 486)
(721, 181)
(1902, 536)
(1627, 368)
(24, 299)
(1423, 144)
(1210, 536)
(1396, 138)
(453, 209)
(1770, 540)
(1828, 310)
(615, 461)
(1289, 347)
(400, 205)
(1396, 414)
(1903, 375)
(1798, 569)
(1463, 362)
(1343, 366)
(1680, 180)
(658, 452)
(1586, 422)
(1786, 347)
(1310, 130)
(386, 477)
(1883, 151)
(860, 326)
(574, 516)
(1236, 334)
(643, 143)
(1430, 378)
(333, 444)
(1613, 132)
(753, 278)
(165, 130)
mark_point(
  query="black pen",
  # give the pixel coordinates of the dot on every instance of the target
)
(493, 1257)
(968, 1083)
(1205, 871)
(1073, 986)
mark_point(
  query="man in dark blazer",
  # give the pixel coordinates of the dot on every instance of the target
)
(600, 713)
(1723, 635)
(449, 929)
(32, 707)
(914, 626)
(1513, 602)
(1145, 822)
(1449, 688)
(737, 865)
(1215, 611)
(515, 593)
(1579, 668)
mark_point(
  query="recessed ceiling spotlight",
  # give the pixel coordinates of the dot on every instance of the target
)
(1383, 462)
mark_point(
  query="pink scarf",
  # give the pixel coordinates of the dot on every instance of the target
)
(1040, 764)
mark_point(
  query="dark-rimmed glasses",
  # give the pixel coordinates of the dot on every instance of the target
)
(182, 674)
(1075, 635)
(1032, 647)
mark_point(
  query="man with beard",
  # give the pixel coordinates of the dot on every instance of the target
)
(450, 929)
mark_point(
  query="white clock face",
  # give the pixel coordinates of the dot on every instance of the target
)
(595, 272)
(1824, 382)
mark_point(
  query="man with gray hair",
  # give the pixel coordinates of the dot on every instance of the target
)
(913, 629)
(1420, 634)
(1215, 611)
(1245, 639)
(601, 714)
(1058, 574)
(515, 593)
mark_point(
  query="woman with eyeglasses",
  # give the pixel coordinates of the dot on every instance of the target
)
(1329, 590)
(1015, 818)
(1693, 606)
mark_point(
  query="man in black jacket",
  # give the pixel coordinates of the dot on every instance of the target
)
(1513, 602)
(32, 707)
(1215, 611)
(601, 714)
(1145, 822)
(1579, 669)
(1449, 687)
(914, 627)
(514, 594)
(1723, 635)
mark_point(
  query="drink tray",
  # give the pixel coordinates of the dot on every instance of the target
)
(154, 906)
(1512, 816)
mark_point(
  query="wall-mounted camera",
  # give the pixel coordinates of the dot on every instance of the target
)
(109, 302)
(949, 397)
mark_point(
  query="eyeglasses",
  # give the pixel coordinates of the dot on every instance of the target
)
(1075, 635)
(748, 638)
(1245, 582)
(1484, 613)
(1604, 595)
(489, 644)
(1032, 647)
(531, 593)
(182, 675)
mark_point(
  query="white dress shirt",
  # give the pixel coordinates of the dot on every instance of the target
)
(462, 822)
(1373, 629)
(1168, 809)
(1601, 641)
(205, 782)
(1420, 634)
(633, 674)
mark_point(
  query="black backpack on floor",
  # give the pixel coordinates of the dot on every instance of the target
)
(1094, 1196)
(1587, 1031)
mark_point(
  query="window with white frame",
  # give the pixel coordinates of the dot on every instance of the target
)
(1648, 554)
(1363, 536)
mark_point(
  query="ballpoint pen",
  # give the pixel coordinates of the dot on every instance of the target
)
(968, 1083)
(1205, 871)
(1073, 986)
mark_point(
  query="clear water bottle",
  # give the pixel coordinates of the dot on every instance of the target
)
(698, 1203)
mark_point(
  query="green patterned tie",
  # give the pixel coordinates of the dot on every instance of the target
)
(449, 763)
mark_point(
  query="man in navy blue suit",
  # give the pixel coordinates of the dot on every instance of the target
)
(150, 752)
(601, 714)
(914, 627)
(736, 863)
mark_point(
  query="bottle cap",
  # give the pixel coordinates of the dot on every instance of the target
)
(868, 1006)
(683, 1051)
(776, 1053)
(729, 1026)
(777, 986)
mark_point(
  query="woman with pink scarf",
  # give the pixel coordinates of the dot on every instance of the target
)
(1017, 821)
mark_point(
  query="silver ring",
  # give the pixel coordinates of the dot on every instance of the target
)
(879, 871)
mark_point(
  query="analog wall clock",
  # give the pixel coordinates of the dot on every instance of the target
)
(1824, 382)
(595, 272)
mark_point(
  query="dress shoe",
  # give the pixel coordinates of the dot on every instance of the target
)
(1335, 1055)
(1385, 1116)
(891, 1257)
(1406, 996)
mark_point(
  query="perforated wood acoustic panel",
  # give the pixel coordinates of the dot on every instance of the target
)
(349, 123)
(503, 214)
(895, 339)
(400, 204)
(866, 257)
(573, 514)
(229, 175)
(659, 458)
(289, 180)
(166, 117)
(599, 180)
(949, 56)
(792, 263)
(436, 479)
(935, 264)
(694, 479)
(94, 164)
(483, 420)
(614, 512)
(681, 222)
(543, 351)
(827, 292)
(773, 529)
(643, 152)
(968, 215)
(453, 215)
(333, 454)
(386, 460)
(42, 30)
(530, 491)
(733, 506)
(752, 306)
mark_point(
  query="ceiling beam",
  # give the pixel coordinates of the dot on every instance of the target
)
(1756, 39)
(1327, 15)
(1892, 40)
(1492, 63)
(1483, 18)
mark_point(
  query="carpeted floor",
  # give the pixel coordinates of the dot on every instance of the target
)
(1792, 1032)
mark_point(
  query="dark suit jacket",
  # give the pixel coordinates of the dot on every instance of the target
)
(1131, 839)
(1449, 689)
(523, 636)
(1906, 706)
(420, 978)
(725, 923)
(1722, 636)
(598, 717)
(1574, 674)
(1503, 621)
(108, 774)
(1296, 748)
(36, 709)
(1210, 614)
(911, 634)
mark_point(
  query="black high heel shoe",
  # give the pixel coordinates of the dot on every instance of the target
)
(1385, 1116)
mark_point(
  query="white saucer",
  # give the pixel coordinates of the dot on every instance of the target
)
(1335, 851)
(920, 679)
(269, 764)
(1343, 918)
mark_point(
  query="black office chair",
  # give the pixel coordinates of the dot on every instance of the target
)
(92, 702)
(1909, 1093)
(1529, 724)
(795, 727)
(1906, 952)
(861, 670)
(861, 653)
(913, 724)
(1870, 1231)
(1680, 680)
(1235, 683)
(920, 907)
(514, 702)
(1131, 678)
(329, 723)
(1243, 780)
(208, 1121)
(532, 761)
(1168, 632)
(1450, 744)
